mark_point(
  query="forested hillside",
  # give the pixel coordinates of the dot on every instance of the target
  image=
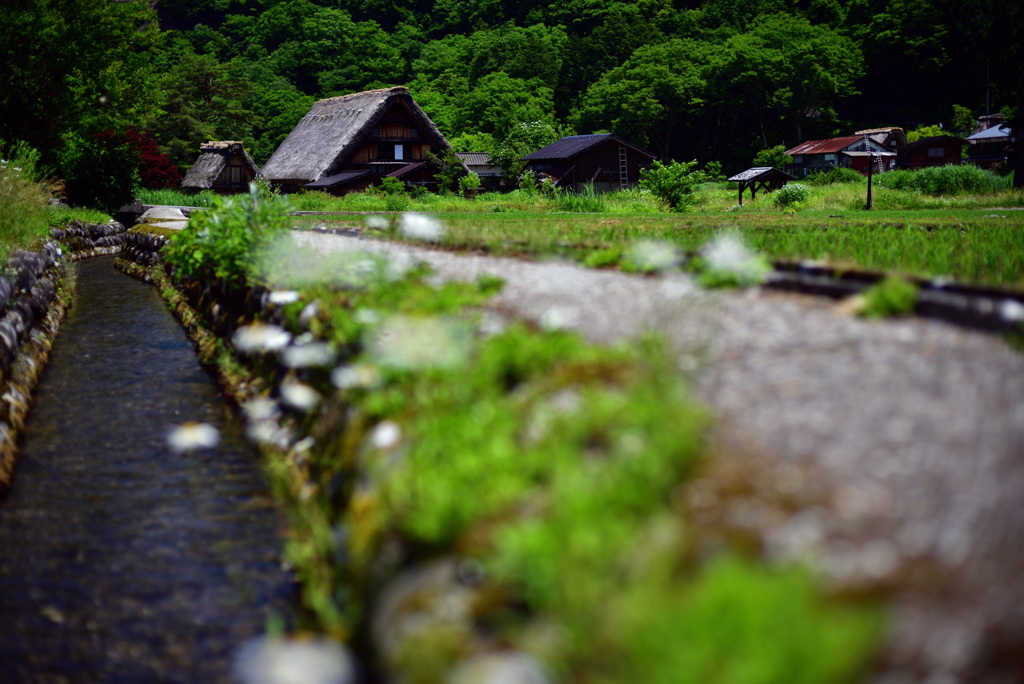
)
(712, 80)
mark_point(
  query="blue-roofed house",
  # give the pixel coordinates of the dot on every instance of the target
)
(604, 159)
(988, 147)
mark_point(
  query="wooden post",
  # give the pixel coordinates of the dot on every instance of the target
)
(870, 167)
(867, 148)
(741, 193)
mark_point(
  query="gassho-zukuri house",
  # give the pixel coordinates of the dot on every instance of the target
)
(223, 166)
(347, 143)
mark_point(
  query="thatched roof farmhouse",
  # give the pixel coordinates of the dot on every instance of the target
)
(223, 166)
(347, 143)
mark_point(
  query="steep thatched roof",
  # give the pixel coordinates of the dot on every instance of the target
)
(334, 129)
(214, 156)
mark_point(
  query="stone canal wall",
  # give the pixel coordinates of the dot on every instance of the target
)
(36, 289)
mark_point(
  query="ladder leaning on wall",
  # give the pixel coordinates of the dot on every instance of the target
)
(623, 169)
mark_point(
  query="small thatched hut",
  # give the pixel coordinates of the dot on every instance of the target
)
(223, 166)
(345, 144)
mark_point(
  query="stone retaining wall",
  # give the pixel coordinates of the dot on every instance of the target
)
(35, 292)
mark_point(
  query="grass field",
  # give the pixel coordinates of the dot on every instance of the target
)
(968, 236)
(973, 246)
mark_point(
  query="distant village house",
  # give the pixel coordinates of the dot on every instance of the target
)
(988, 147)
(890, 137)
(223, 166)
(348, 143)
(851, 152)
(476, 162)
(936, 151)
(604, 159)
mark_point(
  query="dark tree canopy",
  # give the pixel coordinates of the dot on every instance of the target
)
(692, 79)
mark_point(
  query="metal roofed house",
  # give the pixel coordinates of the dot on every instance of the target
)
(223, 166)
(347, 143)
(848, 152)
(605, 159)
(935, 151)
(988, 147)
(768, 178)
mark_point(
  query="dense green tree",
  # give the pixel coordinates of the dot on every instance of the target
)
(74, 67)
(531, 53)
(205, 102)
(654, 96)
(523, 138)
(773, 156)
(785, 70)
(498, 102)
(589, 56)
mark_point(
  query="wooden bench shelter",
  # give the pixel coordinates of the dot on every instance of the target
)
(767, 178)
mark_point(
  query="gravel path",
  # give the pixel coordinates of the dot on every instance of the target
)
(890, 454)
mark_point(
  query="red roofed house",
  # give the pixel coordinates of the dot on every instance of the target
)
(848, 152)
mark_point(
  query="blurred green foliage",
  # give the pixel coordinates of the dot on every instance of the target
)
(224, 241)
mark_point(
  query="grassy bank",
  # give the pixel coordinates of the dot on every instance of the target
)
(459, 485)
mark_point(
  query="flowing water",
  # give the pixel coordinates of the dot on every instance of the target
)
(121, 561)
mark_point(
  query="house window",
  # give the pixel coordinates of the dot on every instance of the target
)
(936, 152)
(798, 159)
(413, 133)
(378, 168)
(386, 151)
(399, 152)
(374, 132)
(830, 157)
(236, 174)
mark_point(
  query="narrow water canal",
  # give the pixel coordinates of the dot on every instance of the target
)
(121, 561)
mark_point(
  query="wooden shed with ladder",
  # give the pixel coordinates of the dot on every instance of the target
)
(604, 159)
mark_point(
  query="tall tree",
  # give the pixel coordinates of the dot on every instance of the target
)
(787, 70)
(652, 98)
(205, 102)
(74, 66)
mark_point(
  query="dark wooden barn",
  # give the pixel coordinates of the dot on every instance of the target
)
(936, 151)
(604, 159)
(223, 166)
(345, 144)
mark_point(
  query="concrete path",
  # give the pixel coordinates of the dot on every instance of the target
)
(890, 454)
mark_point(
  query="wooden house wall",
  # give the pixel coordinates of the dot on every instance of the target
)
(919, 157)
(604, 158)
(224, 183)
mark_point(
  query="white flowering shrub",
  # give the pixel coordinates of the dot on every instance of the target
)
(790, 195)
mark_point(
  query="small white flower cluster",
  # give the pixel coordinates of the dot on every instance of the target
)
(653, 255)
(276, 660)
(421, 227)
(727, 256)
(193, 436)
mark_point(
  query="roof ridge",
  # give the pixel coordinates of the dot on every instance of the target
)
(337, 98)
